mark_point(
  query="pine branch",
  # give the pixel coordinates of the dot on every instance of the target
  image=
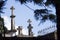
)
(29, 7)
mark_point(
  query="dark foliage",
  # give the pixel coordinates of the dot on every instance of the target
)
(51, 16)
(5, 29)
(35, 1)
(38, 15)
(2, 3)
(45, 17)
(1, 6)
(41, 11)
(48, 2)
(44, 13)
(38, 1)
(22, 1)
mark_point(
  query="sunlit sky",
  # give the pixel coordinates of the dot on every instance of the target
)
(23, 14)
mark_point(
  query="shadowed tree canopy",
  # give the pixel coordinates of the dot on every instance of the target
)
(42, 14)
(38, 2)
(5, 29)
(2, 3)
(45, 15)
(2, 27)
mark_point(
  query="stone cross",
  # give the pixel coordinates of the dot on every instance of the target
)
(29, 21)
(12, 8)
(19, 30)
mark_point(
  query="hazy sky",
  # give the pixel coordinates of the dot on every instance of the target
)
(23, 14)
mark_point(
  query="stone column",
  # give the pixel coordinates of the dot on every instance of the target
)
(12, 18)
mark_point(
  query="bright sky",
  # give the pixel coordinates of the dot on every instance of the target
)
(23, 14)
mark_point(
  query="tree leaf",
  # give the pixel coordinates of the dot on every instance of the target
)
(52, 16)
(22, 1)
(49, 2)
(38, 1)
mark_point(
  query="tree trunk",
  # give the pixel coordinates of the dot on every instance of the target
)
(57, 2)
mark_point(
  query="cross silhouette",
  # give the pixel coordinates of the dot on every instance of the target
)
(29, 21)
(12, 8)
(19, 28)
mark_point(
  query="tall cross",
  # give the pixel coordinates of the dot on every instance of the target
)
(29, 21)
(12, 8)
